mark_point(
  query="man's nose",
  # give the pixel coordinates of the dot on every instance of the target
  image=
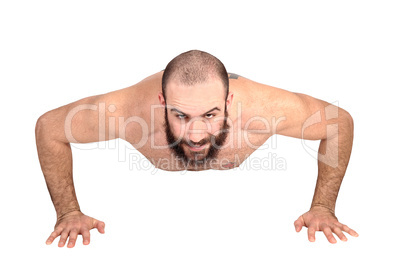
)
(197, 130)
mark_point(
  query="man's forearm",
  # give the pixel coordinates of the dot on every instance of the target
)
(56, 162)
(333, 158)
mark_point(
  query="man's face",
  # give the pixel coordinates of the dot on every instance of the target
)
(196, 120)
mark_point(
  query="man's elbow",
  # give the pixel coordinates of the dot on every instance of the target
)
(346, 118)
(44, 125)
(39, 125)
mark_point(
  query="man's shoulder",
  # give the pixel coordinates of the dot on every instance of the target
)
(258, 104)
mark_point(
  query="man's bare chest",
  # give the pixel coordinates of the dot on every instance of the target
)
(238, 147)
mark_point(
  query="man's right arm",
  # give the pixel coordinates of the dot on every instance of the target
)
(83, 121)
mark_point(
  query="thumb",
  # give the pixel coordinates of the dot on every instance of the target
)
(99, 225)
(299, 223)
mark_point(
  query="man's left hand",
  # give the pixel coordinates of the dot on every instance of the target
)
(322, 219)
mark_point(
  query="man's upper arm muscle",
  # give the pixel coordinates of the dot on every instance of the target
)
(306, 117)
(293, 114)
(90, 119)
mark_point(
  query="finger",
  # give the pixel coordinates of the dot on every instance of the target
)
(349, 230)
(339, 233)
(328, 233)
(311, 234)
(299, 224)
(86, 237)
(63, 238)
(53, 236)
(73, 238)
(99, 225)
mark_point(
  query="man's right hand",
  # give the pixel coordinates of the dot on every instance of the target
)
(71, 225)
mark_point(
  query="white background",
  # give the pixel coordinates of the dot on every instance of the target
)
(56, 52)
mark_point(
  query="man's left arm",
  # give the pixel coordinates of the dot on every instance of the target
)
(309, 118)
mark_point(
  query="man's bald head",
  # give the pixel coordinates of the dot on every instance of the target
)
(195, 67)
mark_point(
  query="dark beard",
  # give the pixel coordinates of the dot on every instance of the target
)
(217, 142)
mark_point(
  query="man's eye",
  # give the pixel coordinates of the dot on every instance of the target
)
(209, 116)
(181, 116)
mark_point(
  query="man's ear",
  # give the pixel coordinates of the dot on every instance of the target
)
(161, 99)
(229, 100)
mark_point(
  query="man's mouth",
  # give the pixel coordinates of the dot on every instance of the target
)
(197, 148)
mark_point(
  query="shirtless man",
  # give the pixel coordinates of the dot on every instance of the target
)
(188, 117)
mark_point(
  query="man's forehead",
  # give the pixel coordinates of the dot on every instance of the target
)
(209, 90)
(195, 101)
(194, 108)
